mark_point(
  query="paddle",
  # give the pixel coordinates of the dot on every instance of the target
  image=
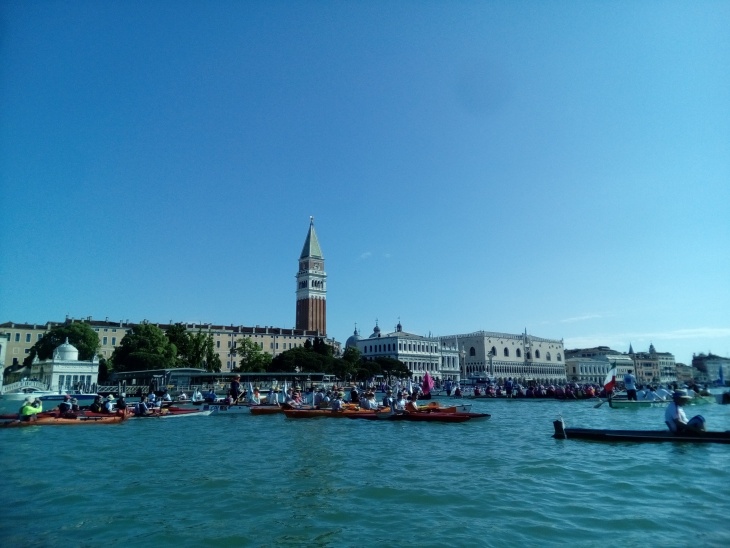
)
(599, 404)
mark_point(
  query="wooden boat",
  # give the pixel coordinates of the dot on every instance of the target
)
(620, 403)
(55, 421)
(594, 434)
(265, 409)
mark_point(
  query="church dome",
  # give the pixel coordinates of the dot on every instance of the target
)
(66, 352)
(376, 332)
(352, 340)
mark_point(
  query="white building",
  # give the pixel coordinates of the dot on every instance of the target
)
(502, 355)
(419, 353)
(64, 371)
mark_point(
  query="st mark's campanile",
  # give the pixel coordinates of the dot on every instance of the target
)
(312, 286)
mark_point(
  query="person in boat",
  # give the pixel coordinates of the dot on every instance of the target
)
(65, 406)
(166, 396)
(318, 397)
(477, 391)
(508, 387)
(388, 399)
(412, 405)
(676, 419)
(121, 403)
(75, 405)
(255, 397)
(327, 399)
(354, 395)
(197, 396)
(98, 405)
(630, 385)
(210, 397)
(109, 404)
(141, 408)
(29, 409)
(235, 391)
(337, 404)
(273, 397)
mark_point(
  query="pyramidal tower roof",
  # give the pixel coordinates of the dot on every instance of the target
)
(311, 244)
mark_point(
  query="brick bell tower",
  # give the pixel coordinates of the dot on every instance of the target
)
(312, 286)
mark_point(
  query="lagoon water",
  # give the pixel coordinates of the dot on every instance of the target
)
(271, 481)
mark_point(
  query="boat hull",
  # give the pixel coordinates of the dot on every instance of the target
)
(637, 436)
(78, 421)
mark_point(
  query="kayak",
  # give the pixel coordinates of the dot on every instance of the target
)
(327, 413)
(54, 421)
(637, 435)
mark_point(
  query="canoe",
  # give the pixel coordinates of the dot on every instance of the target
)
(435, 406)
(424, 417)
(53, 421)
(597, 434)
(327, 413)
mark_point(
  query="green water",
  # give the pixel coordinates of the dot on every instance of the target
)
(272, 481)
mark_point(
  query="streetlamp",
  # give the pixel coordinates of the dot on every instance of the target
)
(490, 355)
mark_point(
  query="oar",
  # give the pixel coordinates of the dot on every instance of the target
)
(599, 404)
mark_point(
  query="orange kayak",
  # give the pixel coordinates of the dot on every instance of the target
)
(54, 421)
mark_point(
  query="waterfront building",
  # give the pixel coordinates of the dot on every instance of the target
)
(419, 353)
(311, 312)
(502, 355)
(654, 367)
(707, 367)
(65, 372)
(685, 373)
(592, 365)
(272, 340)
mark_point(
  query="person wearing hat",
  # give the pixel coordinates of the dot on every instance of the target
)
(676, 419)
(109, 404)
(388, 399)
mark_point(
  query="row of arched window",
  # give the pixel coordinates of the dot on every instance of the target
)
(518, 354)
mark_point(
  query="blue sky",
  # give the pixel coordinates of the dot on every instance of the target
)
(560, 167)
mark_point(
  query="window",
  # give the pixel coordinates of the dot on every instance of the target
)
(17, 337)
(547, 356)
(217, 344)
(114, 341)
(518, 353)
(537, 354)
(104, 341)
(559, 358)
(40, 336)
(506, 352)
(27, 337)
(472, 352)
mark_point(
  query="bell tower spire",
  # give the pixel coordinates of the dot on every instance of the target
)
(312, 286)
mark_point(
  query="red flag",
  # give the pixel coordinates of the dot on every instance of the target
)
(610, 381)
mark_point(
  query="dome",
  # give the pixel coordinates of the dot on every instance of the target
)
(376, 331)
(352, 340)
(66, 352)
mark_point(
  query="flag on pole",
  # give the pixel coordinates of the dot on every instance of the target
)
(610, 381)
(250, 391)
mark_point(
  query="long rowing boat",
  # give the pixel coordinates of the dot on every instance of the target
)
(597, 434)
(54, 421)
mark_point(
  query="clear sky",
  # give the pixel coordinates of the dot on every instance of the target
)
(560, 167)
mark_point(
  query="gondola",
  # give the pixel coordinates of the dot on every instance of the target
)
(598, 434)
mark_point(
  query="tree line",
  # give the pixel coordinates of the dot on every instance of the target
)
(147, 347)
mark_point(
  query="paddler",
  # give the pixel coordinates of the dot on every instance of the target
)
(235, 391)
(676, 419)
(30, 410)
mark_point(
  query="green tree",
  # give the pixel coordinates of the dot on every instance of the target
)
(297, 359)
(251, 358)
(145, 347)
(79, 334)
(179, 336)
(393, 368)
